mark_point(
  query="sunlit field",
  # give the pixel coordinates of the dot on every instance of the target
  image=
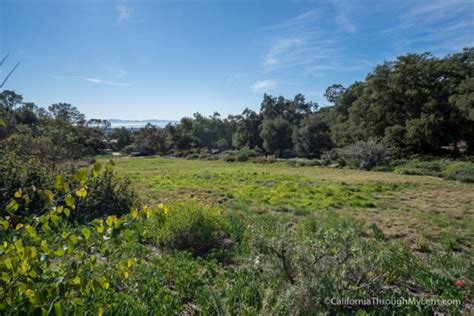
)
(427, 212)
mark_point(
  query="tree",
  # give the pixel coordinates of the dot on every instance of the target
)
(334, 92)
(67, 113)
(120, 138)
(99, 124)
(276, 135)
(150, 140)
(247, 131)
(312, 137)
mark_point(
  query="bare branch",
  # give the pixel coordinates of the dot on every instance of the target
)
(9, 74)
(4, 58)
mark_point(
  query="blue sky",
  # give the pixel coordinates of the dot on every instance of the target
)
(169, 59)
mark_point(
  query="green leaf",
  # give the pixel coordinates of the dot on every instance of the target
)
(4, 223)
(8, 263)
(109, 166)
(31, 230)
(96, 169)
(81, 175)
(69, 201)
(87, 234)
(58, 310)
(59, 182)
(49, 196)
(11, 207)
(60, 252)
(67, 212)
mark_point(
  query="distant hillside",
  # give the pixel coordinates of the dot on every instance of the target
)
(138, 123)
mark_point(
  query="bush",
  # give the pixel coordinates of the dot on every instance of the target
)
(301, 162)
(228, 158)
(192, 228)
(422, 167)
(245, 153)
(367, 154)
(333, 156)
(26, 173)
(107, 195)
(462, 171)
(192, 156)
(327, 256)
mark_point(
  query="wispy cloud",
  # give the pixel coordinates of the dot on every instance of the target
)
(304, 17)
(262, 85)
(123, 13)
(302, 42)
(436, 9)
(438, 25)
(343, 17)
(110, 83)
(281, 47)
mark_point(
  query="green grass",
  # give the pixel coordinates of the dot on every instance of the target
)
(414, 208)
(274, 239)
(219, 238)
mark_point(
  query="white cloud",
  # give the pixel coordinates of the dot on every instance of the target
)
(262, 85)
(123, 13)
(110, 83)
(280, 47)
(304, 17)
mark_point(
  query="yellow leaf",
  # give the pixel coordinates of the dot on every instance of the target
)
(67, 212)
(59, 182)
(111, 220)
(131, 262)
(76, 281)
(82, 193)
(134, 213)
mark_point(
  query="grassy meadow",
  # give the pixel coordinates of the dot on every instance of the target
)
(427, 212)
(248, 238)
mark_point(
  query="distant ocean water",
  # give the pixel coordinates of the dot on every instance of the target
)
(138, 124)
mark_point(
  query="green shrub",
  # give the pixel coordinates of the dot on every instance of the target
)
(422, 167)
(462, 171)
(193, 228)
(245, 153)
(327, 256)
(107, 195)
(26, 173)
